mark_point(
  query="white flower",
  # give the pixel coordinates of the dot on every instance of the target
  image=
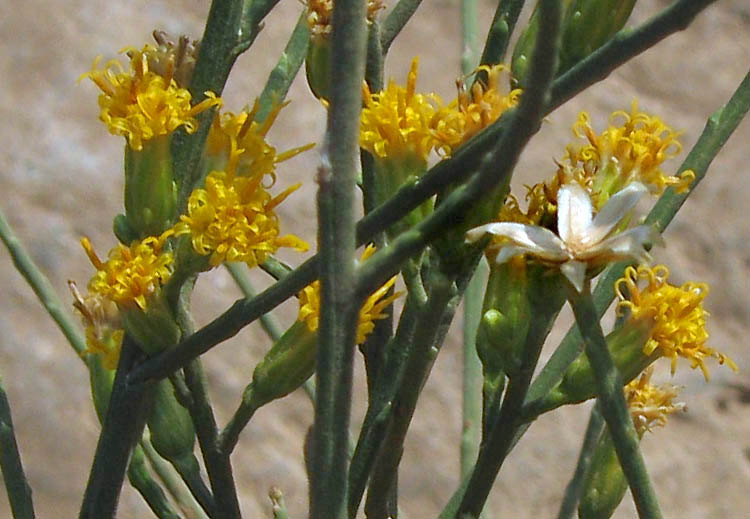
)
(583, 238)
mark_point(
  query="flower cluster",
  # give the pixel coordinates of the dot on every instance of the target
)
(141, 104)
(675, 315)
(371, 311)
(131, 273)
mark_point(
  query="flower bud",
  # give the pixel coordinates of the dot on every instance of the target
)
(605, 483)
(317, 67)
(172, 430)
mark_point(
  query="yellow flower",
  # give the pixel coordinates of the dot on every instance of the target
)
(233, 218)
(398, 123)
(141, 104)
(320, 16)
(242, 135)
(475, 108)
(675, 315)
(131, 274)
(650, 405)
(372, 309)
(101, 318)
(632, 149)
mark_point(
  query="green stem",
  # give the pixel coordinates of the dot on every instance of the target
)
(472, 371)
(268, 322)
(173, 482)
(395, 21)
(501, 29)
(18, 489)
(427, 341)
(613, 406)
(575, 488)
(339, 308)
(469, 45)
(122, 427)
(140, 478)
(217, 461)
(410, 196)
(286, 69)
(42, 287)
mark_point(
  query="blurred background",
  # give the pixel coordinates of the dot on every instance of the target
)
(61, 178)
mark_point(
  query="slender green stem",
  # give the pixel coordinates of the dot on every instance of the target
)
(122, 427)
(501, 29)
(381, 397)
(217, 461)
(339, 311)
(410, 196)
(173, 482)
(230, 435)
(253, 13)
(469, 44)
(613, 406)
(427, 341)
(18, 489)
(396, 20)
(42, 287)
(268, 322)
(140, 477)
(574, 490)
(286, 69)
(472, 371)
(215, 59)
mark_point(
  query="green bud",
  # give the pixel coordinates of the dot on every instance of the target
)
(155, 330)
(286, 366)
(605, 483)
(317, 67)
(123, 231)
(391, 174)
(589, 24)
(150, 191)
(172, 430)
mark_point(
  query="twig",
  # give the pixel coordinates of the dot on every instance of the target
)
(575, 488)
(339, 310)
(613, 406)
(141, 479)
(396, 20)
(18, 489)
(501, 29)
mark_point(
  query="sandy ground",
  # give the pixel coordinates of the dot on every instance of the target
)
(60, 177)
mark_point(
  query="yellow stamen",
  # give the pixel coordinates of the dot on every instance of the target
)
(649, 404)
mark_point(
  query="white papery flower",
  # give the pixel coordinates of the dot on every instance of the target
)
(584, 238)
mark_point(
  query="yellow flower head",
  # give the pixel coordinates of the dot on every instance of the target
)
(320, 16)
(241, 135)
(233, 218)
(632, 148)
(650, 405)
(101, 318)
(675, 315)
(141, 104)
(398, 123)
(131, 274)
(372, 309)
(476, 107)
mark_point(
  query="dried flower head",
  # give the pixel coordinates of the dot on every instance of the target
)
(675, 314)
(101, 319)
(320, 16)
(649, 404)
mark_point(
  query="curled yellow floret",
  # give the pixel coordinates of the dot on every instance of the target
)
(372, 309)
(320, 15)
(649, 404)
(233, 218)
(675, 315)
(140, 104)
(635, 145)
(131, 274)
(240, 134)
(398, 123)
(476, 108)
